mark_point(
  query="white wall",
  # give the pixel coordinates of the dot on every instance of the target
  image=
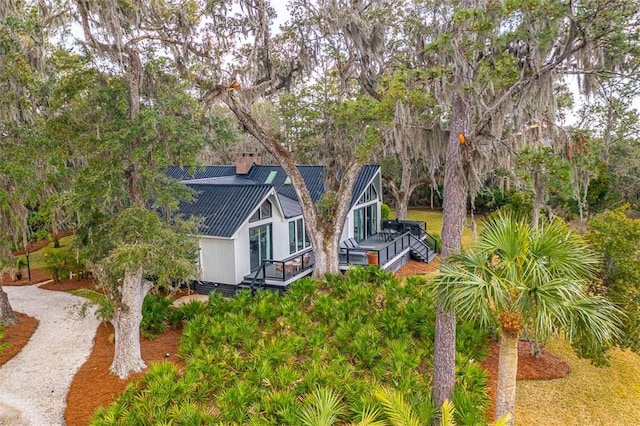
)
(215, 252)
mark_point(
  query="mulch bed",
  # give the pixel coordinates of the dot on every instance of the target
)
(546, 367)
(37, 276)
(18, 336)
(93, 386)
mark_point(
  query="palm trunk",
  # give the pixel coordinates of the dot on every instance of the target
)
(507, 371)
(126, 321)
(7, 317)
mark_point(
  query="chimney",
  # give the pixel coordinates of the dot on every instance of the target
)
(245, 161)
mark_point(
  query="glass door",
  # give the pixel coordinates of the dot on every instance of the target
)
(259, 245)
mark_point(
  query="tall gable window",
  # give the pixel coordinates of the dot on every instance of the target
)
(369, 195)
(264, 212)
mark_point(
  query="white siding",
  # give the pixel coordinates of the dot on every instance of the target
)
(217, 260)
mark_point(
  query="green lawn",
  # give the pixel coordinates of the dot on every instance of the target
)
(38, 260)
(589, 395)
(433, 218)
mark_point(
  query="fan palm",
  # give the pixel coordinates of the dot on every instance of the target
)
(518, 277)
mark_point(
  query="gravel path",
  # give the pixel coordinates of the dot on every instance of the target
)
(34, 384)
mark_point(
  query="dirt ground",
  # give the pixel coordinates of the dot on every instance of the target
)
(93, 385)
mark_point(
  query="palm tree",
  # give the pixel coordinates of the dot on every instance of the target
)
(523, 278)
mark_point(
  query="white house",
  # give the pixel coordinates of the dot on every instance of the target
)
(253, 232)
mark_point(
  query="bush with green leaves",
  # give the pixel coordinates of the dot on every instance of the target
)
(385, 211)
(59, 263)
(617, 238)
(3, 345)
(156, 315)
(320, 351)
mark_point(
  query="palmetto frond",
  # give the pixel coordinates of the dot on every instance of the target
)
(324, 407)
(370, 416)
(398, 411)
(537, 273)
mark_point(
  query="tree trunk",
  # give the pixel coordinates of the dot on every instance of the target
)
(402, 197)
(324, 235)
(538, 201)
(126, 321)
(7, 317)
(507, 370)
(454, 210)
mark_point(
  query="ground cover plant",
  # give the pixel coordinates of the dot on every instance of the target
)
(278, 359)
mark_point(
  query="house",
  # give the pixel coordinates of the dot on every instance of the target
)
(253, 232)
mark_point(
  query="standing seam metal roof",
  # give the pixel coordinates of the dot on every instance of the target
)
(223, 208)
(224, 200)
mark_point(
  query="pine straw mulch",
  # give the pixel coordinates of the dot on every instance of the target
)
(93, 386)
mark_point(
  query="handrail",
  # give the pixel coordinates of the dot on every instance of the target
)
(432, 240)
(255, 277)
(302, 260)
(419, 241)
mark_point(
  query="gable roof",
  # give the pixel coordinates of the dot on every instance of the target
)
(313, 177)
(224, 208)
(225, 200)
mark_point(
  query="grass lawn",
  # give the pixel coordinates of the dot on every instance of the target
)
(434, 223)
(589, 395)
(38, 260)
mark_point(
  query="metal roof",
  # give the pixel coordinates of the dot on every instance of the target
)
(200, 172)
(225, 201)
(223, 208)
(365, 177)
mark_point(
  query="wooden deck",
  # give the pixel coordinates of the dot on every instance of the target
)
(388, 246)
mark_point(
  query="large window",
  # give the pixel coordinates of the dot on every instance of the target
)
(369, 195)
(259, 245)
(298, 238)
(264, 212)
(365, 222)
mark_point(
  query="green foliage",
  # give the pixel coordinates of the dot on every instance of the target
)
(323, 408)
(504, 274)
(59, 263)
(156, 315)
(314, 355)
(139, 238)
(3, 345)
(186, 312)
(385, 211)
(616, 238)
(490, 199)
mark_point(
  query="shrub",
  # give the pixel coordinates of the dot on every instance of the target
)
(385, 211)
(59, 263)
(617, 238)
(262, 359)
(156, 315)
(3, 345)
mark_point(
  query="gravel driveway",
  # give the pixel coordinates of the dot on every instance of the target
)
(34, 384)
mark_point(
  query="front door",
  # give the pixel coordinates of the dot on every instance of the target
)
(259, 245)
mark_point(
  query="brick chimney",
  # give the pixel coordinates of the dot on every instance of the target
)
(245, 161)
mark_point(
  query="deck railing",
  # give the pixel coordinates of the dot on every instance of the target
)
(285, 269)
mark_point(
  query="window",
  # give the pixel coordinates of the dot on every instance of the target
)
(271, 177)
(369, 195)
(298, 238)
(264, 212)
(365, 222)
(259, 245)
